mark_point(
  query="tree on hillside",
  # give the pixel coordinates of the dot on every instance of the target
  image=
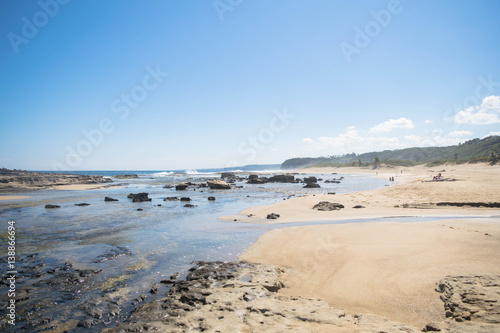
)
(493, 158)
(376, 161)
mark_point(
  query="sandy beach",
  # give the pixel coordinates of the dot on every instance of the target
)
(412, 194)
(13, 197)
(386, 268)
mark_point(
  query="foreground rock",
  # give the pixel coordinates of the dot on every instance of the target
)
(218, 184)
(472, 298)
(242, 297)
(12, 180)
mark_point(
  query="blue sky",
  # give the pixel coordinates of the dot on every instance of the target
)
(89, 85)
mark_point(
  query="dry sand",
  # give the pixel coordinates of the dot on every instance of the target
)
(389, 269)
(385, 268)
(13, 197)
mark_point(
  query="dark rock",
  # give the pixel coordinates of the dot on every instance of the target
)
(471, 204)
(227, 175)
(272, 216)
(253, 177)
(257, 181)
(110, 199)
(140, 209)
(139, 197)
(282, 179)
(211, 198)
(185, 199)
(189, 205)
(358, 206)
(171, 199)
(181, 187)
(52, 206)
(312, 185)
(327, 206)
(218, 184)
(82, 204)
(311, 179)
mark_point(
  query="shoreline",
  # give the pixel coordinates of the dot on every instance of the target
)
(410, 195)
(387, 268)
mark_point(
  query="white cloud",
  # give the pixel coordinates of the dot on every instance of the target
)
(456, 134)
(428, 121)
(493, 133)
(351, 141)
(391, 124)
(434, 139)
(485, 114)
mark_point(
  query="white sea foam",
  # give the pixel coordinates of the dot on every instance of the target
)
(195, 173)
(162, 174)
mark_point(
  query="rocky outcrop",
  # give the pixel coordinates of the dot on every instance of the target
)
(108, 199)
(126, 177)
(470, 204)
(242, 297)
(273, 216)
(312, 185)
(13, 180)
(327, 206)
(471, 298)
(211, 198)
(139, 197)
(218, 184)
(282, 179)
(171, 199)
(227, 175)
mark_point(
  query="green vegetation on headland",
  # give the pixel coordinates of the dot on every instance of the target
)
(472, 151)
